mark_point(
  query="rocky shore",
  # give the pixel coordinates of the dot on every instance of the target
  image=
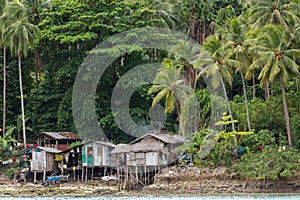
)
(194, 180)
(172, 180)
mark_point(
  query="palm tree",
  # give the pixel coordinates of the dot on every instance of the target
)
(276, 12)
(169, 85)
(167, 12)
(235, 32)
(215, 62)
(2, 7)
(19, 34)
(276, 63)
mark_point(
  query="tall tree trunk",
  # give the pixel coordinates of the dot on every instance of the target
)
(228, 104)
(254, 89)
(4, 92)
(267, 91)
(286, 113)
(246, 101)
(36, 67)
(22, 102)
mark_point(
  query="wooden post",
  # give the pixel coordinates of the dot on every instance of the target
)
(145, 175)
(82, 173)
(105, 169)
(92, 174)
(44, 174)
(122, 180)
(136, 176)
(86, 172)
(126, 179)
(118, 174)
(74, 172)
(34, 176)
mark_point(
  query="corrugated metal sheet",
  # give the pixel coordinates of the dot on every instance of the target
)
(162, 136)
(49, 149)
(100, 142)
(62, 135)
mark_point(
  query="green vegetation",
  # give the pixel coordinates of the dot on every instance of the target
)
(250, 51)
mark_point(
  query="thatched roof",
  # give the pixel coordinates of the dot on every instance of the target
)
(142, 144)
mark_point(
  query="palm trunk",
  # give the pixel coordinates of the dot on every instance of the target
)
(228, 104)
(22, 102)
(246, 101)
(267, 91)
(36, 66)
(254, 89)
(4, 92)
(286, 113)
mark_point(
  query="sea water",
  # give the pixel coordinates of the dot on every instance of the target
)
(194, 197)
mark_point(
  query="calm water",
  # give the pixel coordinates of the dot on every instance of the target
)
(225, 197)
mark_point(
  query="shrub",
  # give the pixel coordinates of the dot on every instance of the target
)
(269, 164)
(10, 173)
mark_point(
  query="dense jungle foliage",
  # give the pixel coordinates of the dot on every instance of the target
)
(250, 51)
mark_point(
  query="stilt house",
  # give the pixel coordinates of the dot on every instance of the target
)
(97, 154)
(45, 159)
(57, 140)
(152, 149)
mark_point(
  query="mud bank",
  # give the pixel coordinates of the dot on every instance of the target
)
(172, 180)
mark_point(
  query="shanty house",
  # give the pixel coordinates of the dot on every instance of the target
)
(96, 153)
(152, 149)
(45, 159)
(57, 140)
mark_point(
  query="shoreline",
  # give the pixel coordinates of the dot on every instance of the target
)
(170, 181)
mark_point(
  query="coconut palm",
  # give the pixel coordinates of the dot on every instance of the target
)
(170, 85)
(2, 7)
(276, 12)
(215, 61)
(235, 32)
(167, 12)
(276, 63)
(19, 34)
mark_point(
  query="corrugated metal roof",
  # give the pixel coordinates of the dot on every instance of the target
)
(106, 143)
(162, 136)
(62, 135)
(49, 149)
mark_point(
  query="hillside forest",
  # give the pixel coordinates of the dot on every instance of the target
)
(248, 50)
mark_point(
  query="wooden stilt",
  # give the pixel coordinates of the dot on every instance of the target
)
(105, 169)
(148, 176)
(86, 173)
(136, 176)
(118, 174)
(82, 173)
(111, 171)
(126, 179)
(145, 175)
(74, 173)
(44, 175)
(34, 176)
(92, 173)
(122, 179)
